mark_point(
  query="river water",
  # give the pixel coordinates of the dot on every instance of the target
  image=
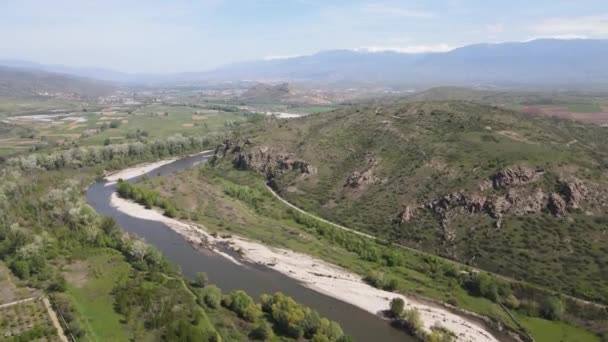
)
(254, 279)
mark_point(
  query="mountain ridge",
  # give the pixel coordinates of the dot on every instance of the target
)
(542, 62)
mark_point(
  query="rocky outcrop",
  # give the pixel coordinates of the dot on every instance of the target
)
(406, 214)
(359, 179)
(574, 191)
(556, 205)
(262, 159)
(517, 200)
(513, 176)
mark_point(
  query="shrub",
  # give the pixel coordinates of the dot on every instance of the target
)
(552, 308)
(212, 296)
(397, 306)
(261, 332)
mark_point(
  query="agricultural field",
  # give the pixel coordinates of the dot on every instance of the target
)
(588, 113)
(27, 321)
(23, 133)
(23, 314)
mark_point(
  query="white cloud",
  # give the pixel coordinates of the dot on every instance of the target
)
(275, 57)
(397, 12)
(408, 49)
(588, 26)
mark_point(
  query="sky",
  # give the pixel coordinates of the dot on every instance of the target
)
(186, 35)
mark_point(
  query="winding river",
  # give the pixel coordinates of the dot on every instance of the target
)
(254, 279)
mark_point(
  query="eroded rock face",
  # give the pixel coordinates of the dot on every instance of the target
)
(518, 199)
(574, 191)
(513, 176)
(263, 159)
(557, 205)
(360, 179)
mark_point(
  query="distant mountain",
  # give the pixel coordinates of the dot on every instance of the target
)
(27, 82)
(539, 62)
(545, 62)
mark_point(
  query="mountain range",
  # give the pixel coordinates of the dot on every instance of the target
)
(544, 62)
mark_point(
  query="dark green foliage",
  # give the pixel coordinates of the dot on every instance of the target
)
(261, 332)
(145, 197)
(185, 331)
(243, 305)
(552, 308)
(296, 321)
(396, 307)
(212, 296)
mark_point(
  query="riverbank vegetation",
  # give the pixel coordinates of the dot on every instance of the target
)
(238, 202)
(108, 285)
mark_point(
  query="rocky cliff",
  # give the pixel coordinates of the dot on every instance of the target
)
(268, 161)
(511, 190)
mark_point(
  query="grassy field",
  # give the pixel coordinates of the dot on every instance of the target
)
(548, 331)
(258, 215)
(584, 108)
(13, 105)
(91, 282)
(112, 126)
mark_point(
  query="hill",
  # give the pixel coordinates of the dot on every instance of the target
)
(24, 82)
(546, 62)
(517, 194)
(550, 63)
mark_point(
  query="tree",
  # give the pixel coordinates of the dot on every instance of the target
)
(261, 332)
(212, 296)
(552, 308)
(107, 141)
(397, 306)
(21, 268)
(201, 279)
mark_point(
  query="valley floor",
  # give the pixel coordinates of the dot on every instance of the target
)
(312, 272)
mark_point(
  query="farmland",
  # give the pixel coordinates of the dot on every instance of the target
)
(23, 313)
(587, 113)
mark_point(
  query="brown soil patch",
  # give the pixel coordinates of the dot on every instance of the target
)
(77, 273)
(188, 125)
(563, 112)
(199, 117)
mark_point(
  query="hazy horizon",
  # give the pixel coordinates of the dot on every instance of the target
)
(182, 36)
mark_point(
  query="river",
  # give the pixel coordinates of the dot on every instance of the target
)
(253, 279)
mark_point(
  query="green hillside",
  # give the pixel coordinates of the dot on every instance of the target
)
(520, 195)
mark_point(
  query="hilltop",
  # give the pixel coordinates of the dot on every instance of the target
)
(26, 82)
(513, 193)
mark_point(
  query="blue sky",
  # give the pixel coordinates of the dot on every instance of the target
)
(180, 35)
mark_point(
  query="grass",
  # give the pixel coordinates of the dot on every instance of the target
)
(421, 152)
(551, 331)
(150, 119)
(91, 295)
(584, 108)
(237, 202)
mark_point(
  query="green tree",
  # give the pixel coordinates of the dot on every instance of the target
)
(212, 296)
(396, 307)
(552, 308)
(261, 332)
(201, 279)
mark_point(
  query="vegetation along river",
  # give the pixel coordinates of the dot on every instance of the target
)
(253, 279)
